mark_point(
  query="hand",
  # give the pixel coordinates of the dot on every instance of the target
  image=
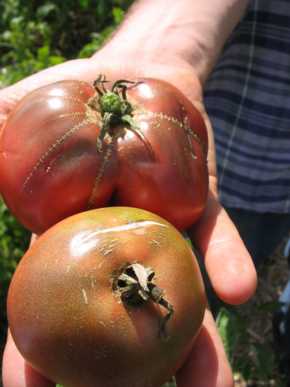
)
(214, 235)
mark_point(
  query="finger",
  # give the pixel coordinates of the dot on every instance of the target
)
(207, 364)
(82, 69)
(227, 261)
(33, 239)
(16, 372)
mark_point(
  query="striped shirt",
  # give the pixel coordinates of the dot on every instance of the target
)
(248, 100)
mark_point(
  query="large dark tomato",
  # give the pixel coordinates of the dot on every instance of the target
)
(70, 146)
(107, 298)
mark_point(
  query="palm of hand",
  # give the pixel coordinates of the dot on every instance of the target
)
(212, 231)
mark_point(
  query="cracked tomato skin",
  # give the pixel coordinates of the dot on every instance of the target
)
(71, 326)
(51, 167)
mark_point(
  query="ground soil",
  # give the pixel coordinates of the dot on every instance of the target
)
(272, 278)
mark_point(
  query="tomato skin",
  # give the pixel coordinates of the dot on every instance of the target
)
(50, 167)
(69, 324)
(174, 182)
(48, 158)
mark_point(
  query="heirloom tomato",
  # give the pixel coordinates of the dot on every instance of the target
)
(71, 146)
(106, 298)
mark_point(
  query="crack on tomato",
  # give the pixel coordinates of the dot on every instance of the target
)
(183, 125)
(191, 133)
(155, 243)
(109, 247)
(64, 115)
(85, 296)
(105, 159)
(93, 115)
(60, 141)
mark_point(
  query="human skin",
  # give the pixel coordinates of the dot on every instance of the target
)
(180, 46)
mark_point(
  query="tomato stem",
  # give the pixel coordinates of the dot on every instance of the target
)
(115, 109)
(113, 105)
(135, 285)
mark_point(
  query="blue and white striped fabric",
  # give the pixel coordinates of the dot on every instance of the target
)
(248, 100)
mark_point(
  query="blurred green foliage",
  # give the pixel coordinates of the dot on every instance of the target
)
(251, 356)
(35, 35)
(13, 242)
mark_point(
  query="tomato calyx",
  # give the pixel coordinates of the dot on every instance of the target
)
(113, 106)
(115, 110)
(114, 101)
(135, 285)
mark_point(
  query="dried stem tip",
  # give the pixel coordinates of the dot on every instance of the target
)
(136, 287)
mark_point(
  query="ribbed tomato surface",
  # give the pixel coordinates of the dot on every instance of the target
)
(51, 165)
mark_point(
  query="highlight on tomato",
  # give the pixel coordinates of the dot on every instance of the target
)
(71, 146)
(110, 297)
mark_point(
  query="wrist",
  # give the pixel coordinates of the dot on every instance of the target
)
(131, 62)
(140, 56)
(187, 31)
(161, 47)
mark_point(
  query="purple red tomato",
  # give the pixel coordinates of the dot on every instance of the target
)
(71, 146)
